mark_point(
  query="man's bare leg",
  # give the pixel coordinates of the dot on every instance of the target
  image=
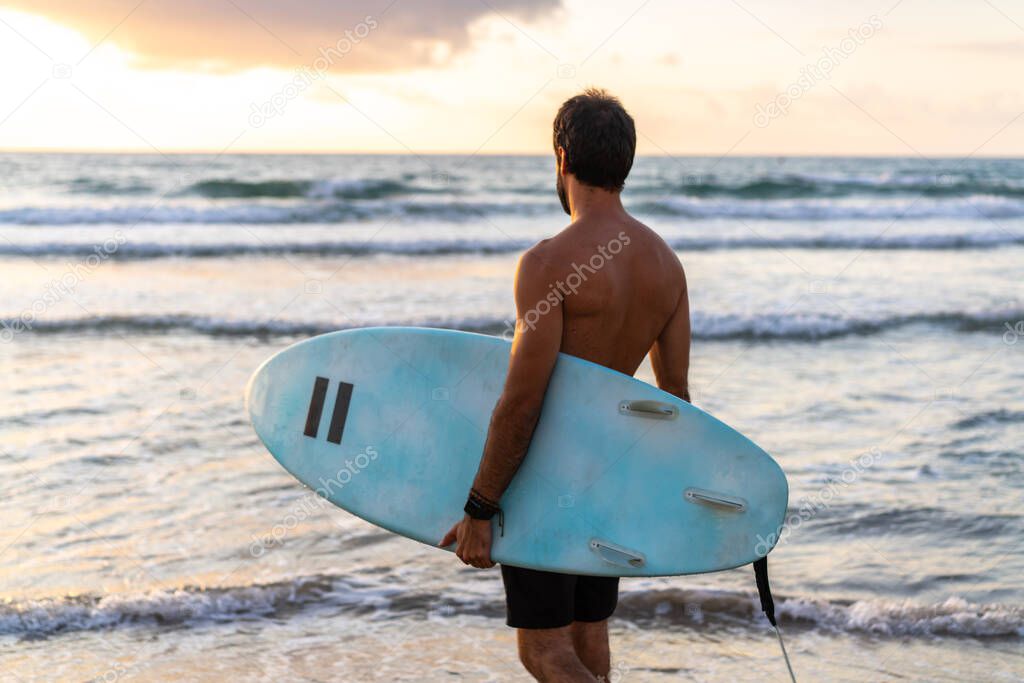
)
(550, 656)
(590, 641)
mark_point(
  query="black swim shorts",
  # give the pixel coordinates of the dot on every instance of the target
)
(536, 599)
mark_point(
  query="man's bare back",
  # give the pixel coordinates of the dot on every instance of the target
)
(622, 285)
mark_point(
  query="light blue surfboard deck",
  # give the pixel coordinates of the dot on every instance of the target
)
(622, 479)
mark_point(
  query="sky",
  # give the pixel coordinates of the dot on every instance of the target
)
(901, 78)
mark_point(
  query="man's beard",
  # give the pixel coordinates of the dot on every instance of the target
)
(562, 196)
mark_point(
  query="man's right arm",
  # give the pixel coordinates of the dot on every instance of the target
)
(670, 354)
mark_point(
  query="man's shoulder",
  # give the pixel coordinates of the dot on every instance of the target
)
(648, 238)
(646, 233)
(542, 256)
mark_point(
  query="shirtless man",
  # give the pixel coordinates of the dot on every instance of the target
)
(614, 291)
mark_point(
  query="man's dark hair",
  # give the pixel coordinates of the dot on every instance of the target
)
(598, 137)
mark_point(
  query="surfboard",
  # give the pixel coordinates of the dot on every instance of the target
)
(621, 479)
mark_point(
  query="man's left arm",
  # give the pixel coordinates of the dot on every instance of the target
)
(538, 338)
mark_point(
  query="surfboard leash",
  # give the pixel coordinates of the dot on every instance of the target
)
(764, 592)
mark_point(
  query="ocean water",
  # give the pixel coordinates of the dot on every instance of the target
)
(861, 319)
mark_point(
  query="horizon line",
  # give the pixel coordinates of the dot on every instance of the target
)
(435, 153)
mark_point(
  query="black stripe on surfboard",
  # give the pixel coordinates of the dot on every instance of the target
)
(316, 406)
(337, 427)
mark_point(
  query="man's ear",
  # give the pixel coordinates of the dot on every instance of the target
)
(560, 161)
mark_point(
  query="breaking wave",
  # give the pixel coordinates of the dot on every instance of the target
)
(810, 186)
(765, 327)
(311, 189)
(334, 208)
(768, 186)
(258, 213)
(953, 617)
(134, 249)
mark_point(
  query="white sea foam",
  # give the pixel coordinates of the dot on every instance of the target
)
(954, 617)
(139, 248)
(323, 205)
(767, 327)
(980, 207)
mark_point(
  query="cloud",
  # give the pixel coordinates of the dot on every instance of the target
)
(1006, 48)
(237, 34)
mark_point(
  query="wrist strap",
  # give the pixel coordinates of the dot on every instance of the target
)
(480, 507)
(483, 499)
